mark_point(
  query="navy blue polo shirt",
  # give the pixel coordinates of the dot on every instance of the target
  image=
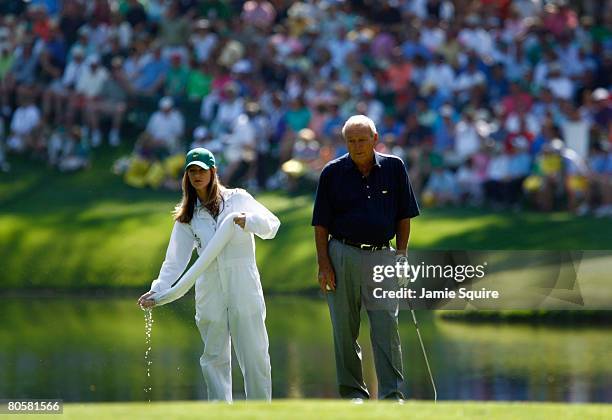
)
(364, 209)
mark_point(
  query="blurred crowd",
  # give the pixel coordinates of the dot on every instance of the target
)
(497, 102)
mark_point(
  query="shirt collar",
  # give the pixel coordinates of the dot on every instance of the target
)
(377, 159)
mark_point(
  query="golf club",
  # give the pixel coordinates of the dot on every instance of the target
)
(433, 384)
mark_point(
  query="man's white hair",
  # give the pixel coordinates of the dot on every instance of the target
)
(359, 120)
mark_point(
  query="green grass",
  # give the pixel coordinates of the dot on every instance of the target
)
(569, 317)
(337, 410)
(90, 230)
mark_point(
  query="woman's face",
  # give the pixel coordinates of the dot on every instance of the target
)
(199, 178)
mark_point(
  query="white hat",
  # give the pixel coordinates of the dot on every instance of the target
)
(78, 50)
(166, 102)
(446, 111)
(520, 142)
(557, 145)
(200, 132)
(242, 66)
(94, 59)
(600, 94)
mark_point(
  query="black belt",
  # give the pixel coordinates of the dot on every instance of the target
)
(365, 247)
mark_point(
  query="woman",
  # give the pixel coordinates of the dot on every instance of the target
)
(220, 223)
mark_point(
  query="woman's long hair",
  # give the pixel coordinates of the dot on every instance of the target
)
(183, 212)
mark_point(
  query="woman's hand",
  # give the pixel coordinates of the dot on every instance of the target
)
(145, 300)
(240, 220)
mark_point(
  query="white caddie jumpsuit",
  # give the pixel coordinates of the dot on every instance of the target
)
(229, 297)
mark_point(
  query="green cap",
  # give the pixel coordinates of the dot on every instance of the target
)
(201, 157)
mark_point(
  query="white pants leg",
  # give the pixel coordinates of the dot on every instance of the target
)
(217, 357)
(251, 346)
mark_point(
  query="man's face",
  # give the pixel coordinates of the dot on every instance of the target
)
(360, 143)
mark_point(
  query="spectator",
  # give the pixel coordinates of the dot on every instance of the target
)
(469, 183)
(71, 19)
(150, 77)
(519, 167)
(497, 83)
(240, 145)
(599, 192)
(112, 101)
(296, 118)
(399, 72)
(467, 139)
(136, 15)
(228, 106)
(4, 165)
(440, 75)
(203, 40)
(498, 175)
(546, 105)
(258, 13)
(67, 150)
(575, 129)
(467, 80)
(432, 36)
(162, 136)
(22, 76)
(25, 127)
(522, 122)
(441, 188)
(391, 125)
(89, 85)
(575, 178)
(560, 85)
(332, 126)
(53, 55)
(516, 99)
(177, 77)
(602, 109)
(173, 34)
(199, 81)
(59, 90)
(545, 184)
(6, 63)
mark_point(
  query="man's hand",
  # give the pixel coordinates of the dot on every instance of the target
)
(327, 278)
(403, 279)
(145, 300)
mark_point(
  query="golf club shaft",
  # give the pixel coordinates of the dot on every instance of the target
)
(433, 384)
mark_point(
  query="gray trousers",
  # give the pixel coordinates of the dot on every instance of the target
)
(353, 269)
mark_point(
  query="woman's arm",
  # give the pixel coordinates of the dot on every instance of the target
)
(259, 220)
(178, 255)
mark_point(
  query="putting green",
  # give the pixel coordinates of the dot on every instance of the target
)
(334, 409)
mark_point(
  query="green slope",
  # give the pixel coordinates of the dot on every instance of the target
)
(90, 230)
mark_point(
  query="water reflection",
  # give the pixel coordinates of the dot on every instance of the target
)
(86, 349)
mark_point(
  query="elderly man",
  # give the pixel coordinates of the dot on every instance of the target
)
(364, 199)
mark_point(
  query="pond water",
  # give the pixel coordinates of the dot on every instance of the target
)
(93, 349)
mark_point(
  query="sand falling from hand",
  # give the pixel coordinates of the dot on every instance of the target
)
(148, 316)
